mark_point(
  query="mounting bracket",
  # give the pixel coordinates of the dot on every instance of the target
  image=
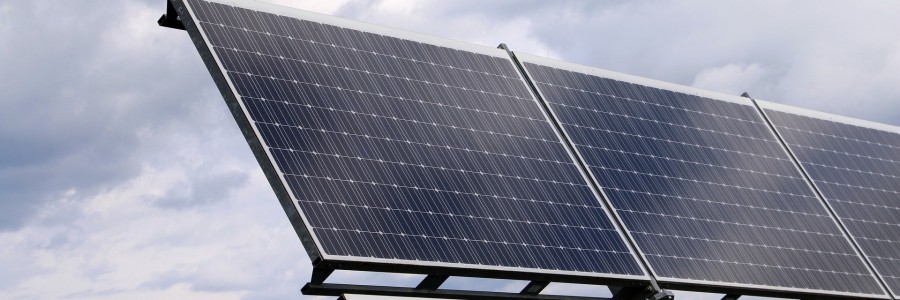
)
(732, 296)
(170, 18)
(432, 282)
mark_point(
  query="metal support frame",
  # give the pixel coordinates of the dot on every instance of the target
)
(629, 293)
(648, 292)
(663, 295)
(170, 18)
(732, 296)
(319, 275)
(432, 282)
(534, 287)
(337, 290)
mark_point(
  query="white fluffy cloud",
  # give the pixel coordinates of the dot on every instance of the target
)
(122, 174)
(731, 78)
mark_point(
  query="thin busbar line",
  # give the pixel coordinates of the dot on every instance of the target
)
(852, 170)
(440, 190)
(717, 202)
(417, 122)
(856, 186)
(371, 52)
(472, 240)
(743, 243)
(837, 136)
(846, 153)
(866, 204)
(731, 223)
(425, 144)
(644, 102)
(662, 122)
(492, 219)
(371, 72)
(759, 265)
(689, 162)
(703, 182)
(431, 167)
(672, 141)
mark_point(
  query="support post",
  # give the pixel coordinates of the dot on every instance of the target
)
(319, 275)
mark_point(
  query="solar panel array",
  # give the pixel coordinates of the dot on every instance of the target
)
(398, 148)
(703, 185)
(408, 151)
(857, 169)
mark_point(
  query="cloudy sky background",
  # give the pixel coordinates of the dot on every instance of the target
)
(123, 176)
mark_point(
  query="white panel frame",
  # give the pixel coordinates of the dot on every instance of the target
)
(826, 116)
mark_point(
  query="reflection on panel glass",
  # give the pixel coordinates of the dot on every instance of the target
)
(703, 186)
(857, 169)
(396, 149)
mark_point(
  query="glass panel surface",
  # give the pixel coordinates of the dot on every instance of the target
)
(396, 149)
(703, 186)
(857, 169)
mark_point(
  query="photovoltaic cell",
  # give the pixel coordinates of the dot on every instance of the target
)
(702, 185)
(856, 166)
(408, 152)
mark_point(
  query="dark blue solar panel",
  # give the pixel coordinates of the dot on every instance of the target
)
(703, 185)
(401, 150)
(857, 170)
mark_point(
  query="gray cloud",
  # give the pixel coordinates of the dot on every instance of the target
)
(122, 174)
(80, 82)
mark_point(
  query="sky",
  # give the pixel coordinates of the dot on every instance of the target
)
(123, 175)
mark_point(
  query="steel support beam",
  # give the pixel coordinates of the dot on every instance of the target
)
(731, 296)
(534, 287)
(170, 18)
(432, 282)
(330, 289)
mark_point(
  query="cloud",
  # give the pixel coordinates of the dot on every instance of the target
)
(123, 175)
(731, 78)
(78, 91)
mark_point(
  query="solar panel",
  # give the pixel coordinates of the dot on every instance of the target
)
(856, 166)
(701, 183)
(403, 149)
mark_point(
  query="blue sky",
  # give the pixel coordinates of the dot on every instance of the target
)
(122, 174)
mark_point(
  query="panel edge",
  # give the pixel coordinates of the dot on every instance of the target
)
(250, 133)
(827, 116)
(361, 26)
(553, 63)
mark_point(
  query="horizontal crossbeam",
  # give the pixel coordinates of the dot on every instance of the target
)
(330, 289)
